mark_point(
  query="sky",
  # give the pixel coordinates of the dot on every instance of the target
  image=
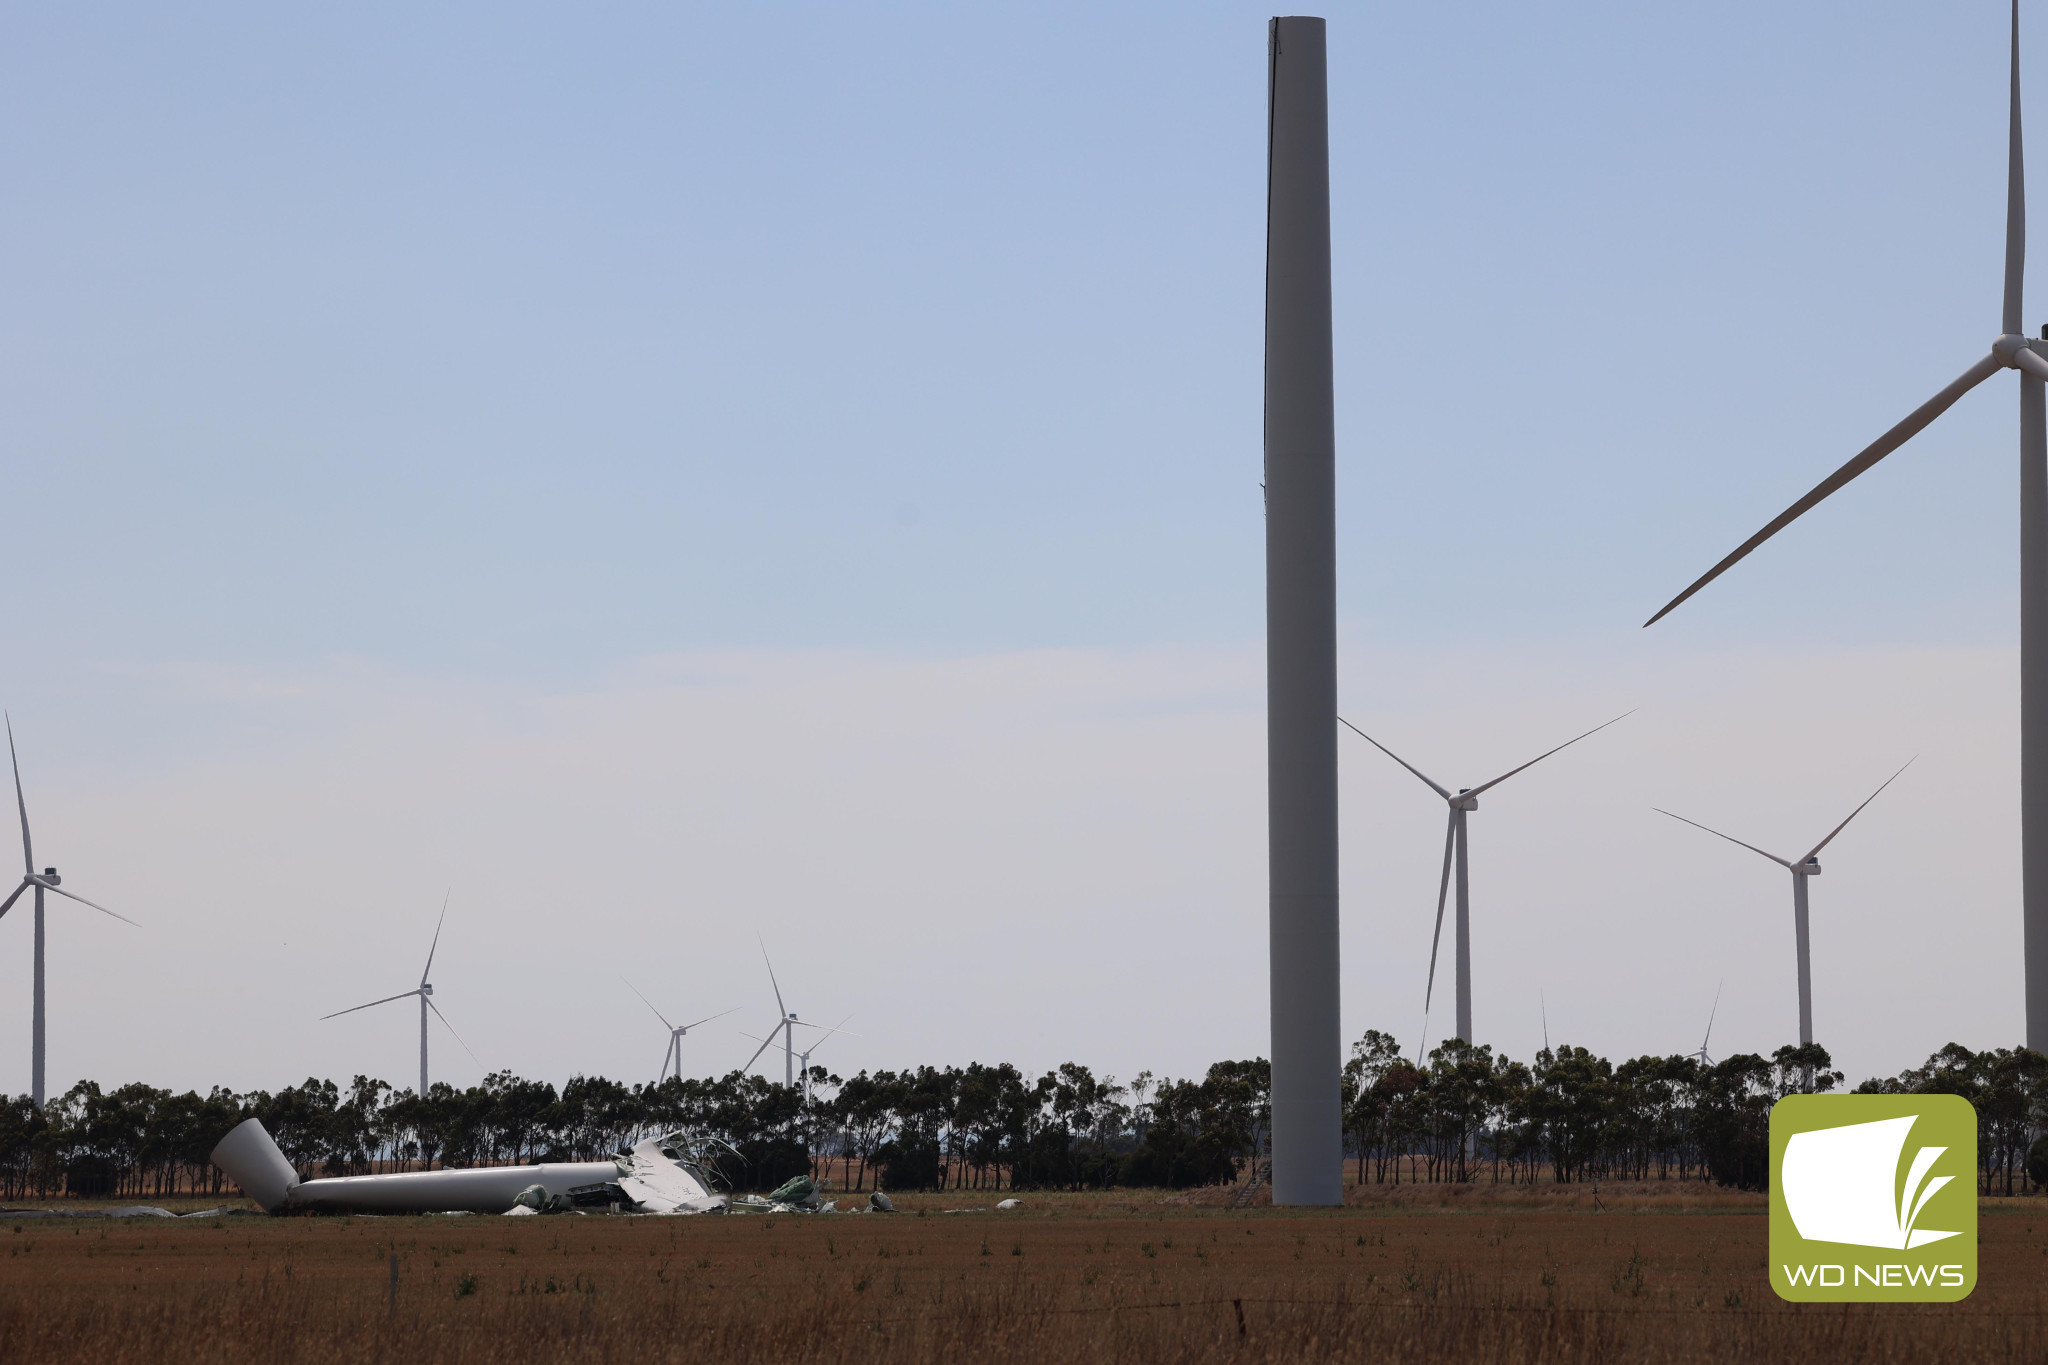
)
(673, 479)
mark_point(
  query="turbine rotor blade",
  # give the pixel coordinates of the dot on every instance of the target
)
(1442, 890)
(436, 944)
(650, 1004)
(8, 904)
(1540, 757)
(2015, 198)
(705, 1020)
(1868, 456)
(385, 1001)
(1781, 862)
(44, 883)
(781, 1009)
(758, 1051)
(1858, 811)
(1710, 1016)
(451, 1031)
(28, 858)
(2031, 362)
(1396, 757)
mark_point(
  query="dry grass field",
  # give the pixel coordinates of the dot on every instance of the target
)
(1422, 1273)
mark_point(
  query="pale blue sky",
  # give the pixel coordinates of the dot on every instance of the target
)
(498, 349)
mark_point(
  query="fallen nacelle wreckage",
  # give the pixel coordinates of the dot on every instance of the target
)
(653, 1178)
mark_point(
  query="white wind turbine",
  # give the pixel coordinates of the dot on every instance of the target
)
(786, 1022)
(426, 994)
(46, 880)
(1701, 1056)
(1802, 870)
(674, 1055)
(2011, 350)
(1462, 804)
(803, 1059)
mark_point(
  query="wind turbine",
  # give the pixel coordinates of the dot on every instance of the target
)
(1464, 803)
(785, 1021)
(803, 1059)
(1802, 870)
(46, 880)
(426, 994)
(675, 1035)
(1701, 1056)
(2012, 350)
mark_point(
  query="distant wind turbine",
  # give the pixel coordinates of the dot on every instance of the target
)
(786, 1022)
(1802, 869)
(1701, 1055)
(1464, 803)
(426, 994)
(675, 1034)
(2011, 350)
(46, 880)
(803, 1059)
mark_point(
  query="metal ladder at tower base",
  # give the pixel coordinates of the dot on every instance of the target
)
(1262, 1174)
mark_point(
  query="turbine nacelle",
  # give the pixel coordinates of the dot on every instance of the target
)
(50, 877)
(425, 989)
(1809, 868)
(1464, 802)
(2008, 347)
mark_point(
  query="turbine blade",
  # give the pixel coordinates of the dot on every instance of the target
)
(1540, 757)
(1858, 811)
(839, 1027)
(451, 1030)
(8, 904)
(1710, 1016)
(2015, 198)
(2031, 362)
(28, 858)
(436, 944)
(83, 901)
(1717, 834)
(650, 1004)
(385, 1001)
(708, 1018)
(1396, 757)
(1442, 890)
(781, 1010)
(1868, 456)
(758, 1051)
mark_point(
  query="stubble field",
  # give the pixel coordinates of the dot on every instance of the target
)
(1422, 1273)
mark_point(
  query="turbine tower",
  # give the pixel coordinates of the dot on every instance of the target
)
(1802, 870)
(46, 880)
(674, 1055)
(1301, 625)
(2012, 350)
(1461, 805)
(426, 994)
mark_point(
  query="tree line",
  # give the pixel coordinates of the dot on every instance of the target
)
(1461, 1114)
